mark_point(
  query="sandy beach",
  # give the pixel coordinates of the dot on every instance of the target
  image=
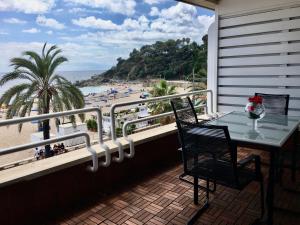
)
(11, 137)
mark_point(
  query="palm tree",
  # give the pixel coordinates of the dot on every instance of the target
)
(161, 89)
(40, 83)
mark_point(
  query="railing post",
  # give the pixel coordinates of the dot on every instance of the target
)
(114, 136)
(107, 161)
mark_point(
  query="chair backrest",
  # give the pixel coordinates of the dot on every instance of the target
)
(184, 110)
(201, 142)
(275, 104)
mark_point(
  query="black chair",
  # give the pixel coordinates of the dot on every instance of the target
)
(203, 148)
(184, 111)
(279, 105)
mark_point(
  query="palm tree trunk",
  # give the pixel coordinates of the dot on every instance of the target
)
(46, 128)
(46, 134)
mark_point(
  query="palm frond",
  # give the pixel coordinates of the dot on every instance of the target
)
(26, 109)
(43, 50)
(26, 64)
(56, 62)
(13, 76)
(53, 47)
(39, 63)
(12, 92)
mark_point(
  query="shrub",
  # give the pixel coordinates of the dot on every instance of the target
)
(119, 132)
(92, 125)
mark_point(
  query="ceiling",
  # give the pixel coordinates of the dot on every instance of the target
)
(210, 4)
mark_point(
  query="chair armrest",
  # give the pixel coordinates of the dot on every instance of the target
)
(244, 162)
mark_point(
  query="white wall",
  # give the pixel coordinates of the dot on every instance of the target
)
(257, 51)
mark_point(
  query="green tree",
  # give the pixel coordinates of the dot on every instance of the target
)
(40, 82)
(161, 89)
(171, 59)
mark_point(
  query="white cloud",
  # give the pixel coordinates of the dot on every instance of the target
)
(126, 7)
(142, 23)
(93, 22)
(3, 32)
(154, 11)
(152, 2)
(175, 22)
(101, 47)
(76, 10)
(14, 21)
(49, 22)
(206, 21)
(27, 6)
(31, 31)
(180, 11)
(59, 10)
(81, 56)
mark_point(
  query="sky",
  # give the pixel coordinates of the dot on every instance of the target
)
(94, 33)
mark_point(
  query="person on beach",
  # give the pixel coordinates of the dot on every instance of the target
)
(37, 153)
(62, 148)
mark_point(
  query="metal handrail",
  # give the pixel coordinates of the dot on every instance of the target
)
(130, 140)
(92, 168)
(68, 113)
(120, 158)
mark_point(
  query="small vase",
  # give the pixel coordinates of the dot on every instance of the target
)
(254, 124)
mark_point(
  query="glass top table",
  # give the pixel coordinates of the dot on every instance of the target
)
(272, 130)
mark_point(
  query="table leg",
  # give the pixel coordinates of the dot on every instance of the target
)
(294, 156)
(270, 188)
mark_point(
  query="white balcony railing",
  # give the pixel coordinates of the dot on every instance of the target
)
(107, 151)
(131, 143)
(54, 140)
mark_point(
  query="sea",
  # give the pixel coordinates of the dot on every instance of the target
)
(72, 76)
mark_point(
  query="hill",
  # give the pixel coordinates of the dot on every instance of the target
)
(171, 59)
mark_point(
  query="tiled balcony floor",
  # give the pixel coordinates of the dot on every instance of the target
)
(164, 199)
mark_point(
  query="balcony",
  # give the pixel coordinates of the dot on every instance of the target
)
(134, 179)
(144, 189)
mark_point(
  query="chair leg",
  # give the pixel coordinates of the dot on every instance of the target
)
(262, 197)
(261, 181)
(181, 177)
(196, 197)
(294, 162)
(204, 207)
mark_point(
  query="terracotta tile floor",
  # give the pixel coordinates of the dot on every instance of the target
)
(164, 199)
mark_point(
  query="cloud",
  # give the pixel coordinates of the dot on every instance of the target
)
(152, 2)
(81, 56)
(154, 11)
(31, 31)
(97, 42)
(180, 11)
(125, 7)
(3, 32)
(14, 21)
(76, 10)
(49, 22)
(59, 10)
(93, 22)
(27, 6)
(175, 22)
